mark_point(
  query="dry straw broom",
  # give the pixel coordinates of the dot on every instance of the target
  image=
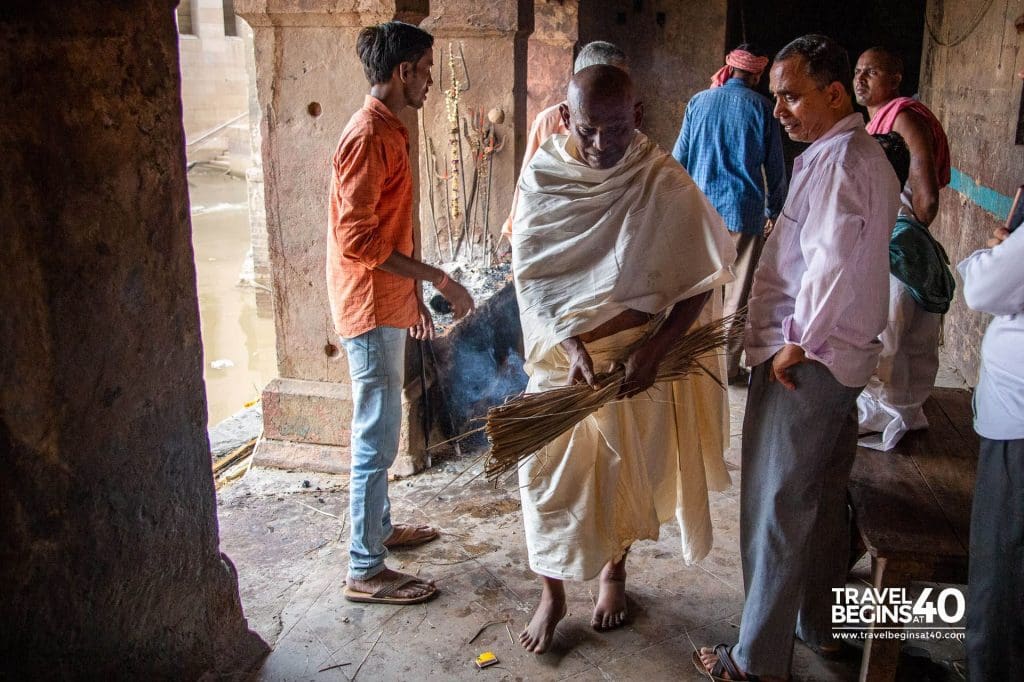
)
(529, 421)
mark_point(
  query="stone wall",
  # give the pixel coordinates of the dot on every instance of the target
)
(109, 558)
(491, 39)
(969, 79)
(673, 48)
(550, 51)
(213, 78)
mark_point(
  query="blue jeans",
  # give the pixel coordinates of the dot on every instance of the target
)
(376, 364)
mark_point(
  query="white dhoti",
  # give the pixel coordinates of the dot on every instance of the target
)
(588, 245)
(891, 403)
(624, 470)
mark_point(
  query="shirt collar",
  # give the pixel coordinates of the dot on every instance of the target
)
(849, 122)
(378, 109)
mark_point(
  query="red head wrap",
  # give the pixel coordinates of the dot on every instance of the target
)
(738, 59)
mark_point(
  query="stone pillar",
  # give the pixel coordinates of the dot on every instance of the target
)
(551, 47)
(109, 559)
(309, 81)
(493, 37)
(673, 47)
(259, 249)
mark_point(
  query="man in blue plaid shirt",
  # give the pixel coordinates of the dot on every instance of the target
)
(732, 147)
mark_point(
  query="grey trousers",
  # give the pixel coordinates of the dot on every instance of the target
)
(995, 589)
(798, 450)
(748, 252)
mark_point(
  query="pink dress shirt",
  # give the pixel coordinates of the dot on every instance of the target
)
(823, 279)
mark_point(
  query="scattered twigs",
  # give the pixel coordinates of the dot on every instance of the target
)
(504, 621)
(318, 511)
(369, 651)
(332, 667)
(526, 423)
(235, 455)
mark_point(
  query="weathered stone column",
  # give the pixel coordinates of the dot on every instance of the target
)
(673, 48)
(261, 279)
(309, 81)
(550, 48)
(109, 559)
(493, 38)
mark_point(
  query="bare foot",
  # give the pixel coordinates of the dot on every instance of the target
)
(417, 588)
(610, 611)
(537, 636)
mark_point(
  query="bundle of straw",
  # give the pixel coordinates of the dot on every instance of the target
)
(526, 423)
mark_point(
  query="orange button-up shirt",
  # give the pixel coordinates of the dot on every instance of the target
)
(369, 217)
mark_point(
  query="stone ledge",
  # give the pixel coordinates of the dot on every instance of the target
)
(314, 412)
(321, 13)
(330, 459)
(283, 454)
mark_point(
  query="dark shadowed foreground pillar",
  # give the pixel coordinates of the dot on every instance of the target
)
(109, 560)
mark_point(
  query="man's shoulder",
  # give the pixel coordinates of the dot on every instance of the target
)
(548, 121)
(722, 101)
(362, 129)
(854, 153)
(917, 119)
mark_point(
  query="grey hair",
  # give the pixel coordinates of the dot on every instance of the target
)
(599, 52)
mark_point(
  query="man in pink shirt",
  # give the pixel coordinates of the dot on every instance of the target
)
(549, 121)
(818, 303)
(891, 403)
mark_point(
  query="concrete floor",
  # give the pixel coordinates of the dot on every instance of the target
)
(288, 543)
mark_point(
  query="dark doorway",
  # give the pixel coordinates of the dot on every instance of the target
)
(855, 25)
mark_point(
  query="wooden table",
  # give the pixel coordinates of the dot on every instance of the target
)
(912, 508)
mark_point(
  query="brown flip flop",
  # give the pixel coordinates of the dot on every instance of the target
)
(724, 666)
(404, 535)
(385, 595)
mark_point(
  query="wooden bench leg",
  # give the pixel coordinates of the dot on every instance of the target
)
(881, 656)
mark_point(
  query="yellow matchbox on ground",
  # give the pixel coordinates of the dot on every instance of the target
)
(485, 659)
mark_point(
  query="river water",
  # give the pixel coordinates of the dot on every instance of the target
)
(238, 344)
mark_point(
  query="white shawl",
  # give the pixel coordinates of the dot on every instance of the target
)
(588, 243)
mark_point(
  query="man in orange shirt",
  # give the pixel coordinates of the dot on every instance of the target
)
(373, 288)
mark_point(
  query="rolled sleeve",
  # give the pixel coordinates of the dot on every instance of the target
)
(359, 171)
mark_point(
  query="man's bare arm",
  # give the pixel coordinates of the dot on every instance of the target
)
(403, 266)
(642, 365)
(924, 182)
